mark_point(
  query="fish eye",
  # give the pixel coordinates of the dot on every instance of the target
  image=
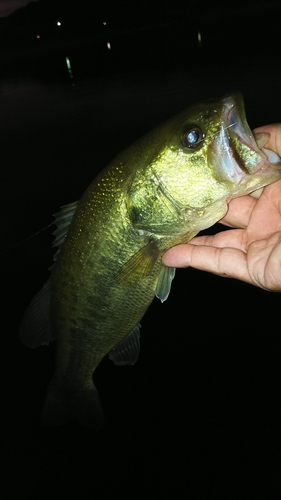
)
(192, 137)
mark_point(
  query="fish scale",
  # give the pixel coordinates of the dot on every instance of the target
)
(101, 307)
(159, 192)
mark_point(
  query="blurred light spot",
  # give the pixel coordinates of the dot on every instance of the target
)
(58, 23)
(67, 60)
(199, 38)
(68, 63)
(104, 23)
(37, 36)
(108, 45)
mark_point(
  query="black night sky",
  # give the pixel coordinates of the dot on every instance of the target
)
(197, 414)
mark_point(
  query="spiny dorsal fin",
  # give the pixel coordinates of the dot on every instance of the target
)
(63, 219)
(35, 329)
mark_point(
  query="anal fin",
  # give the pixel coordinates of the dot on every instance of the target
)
(127, 351)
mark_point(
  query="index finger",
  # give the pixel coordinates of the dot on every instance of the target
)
(239, 212)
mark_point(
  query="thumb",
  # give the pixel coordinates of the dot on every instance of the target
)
(274, 140)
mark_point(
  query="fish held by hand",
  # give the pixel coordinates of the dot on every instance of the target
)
(160, 192)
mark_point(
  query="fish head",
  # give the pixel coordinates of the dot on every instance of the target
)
(206, 156)
(234, 155)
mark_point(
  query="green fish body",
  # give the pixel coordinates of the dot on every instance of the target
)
(158, 193)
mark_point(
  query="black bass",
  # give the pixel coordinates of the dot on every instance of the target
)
(160, 192)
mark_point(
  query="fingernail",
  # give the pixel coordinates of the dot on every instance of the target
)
(261, 138)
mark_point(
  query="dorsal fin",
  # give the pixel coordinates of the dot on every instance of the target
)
(63, 219)
(35, 328)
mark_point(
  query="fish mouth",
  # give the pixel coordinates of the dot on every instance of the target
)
(235, 120)
(234, 152)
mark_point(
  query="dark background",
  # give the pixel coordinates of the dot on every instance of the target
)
(197, 415)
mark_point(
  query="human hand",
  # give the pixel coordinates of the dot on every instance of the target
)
(252, 251)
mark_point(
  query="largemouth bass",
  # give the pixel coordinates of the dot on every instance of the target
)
(160, 192)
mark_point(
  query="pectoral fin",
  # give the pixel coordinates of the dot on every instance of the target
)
(139, 265)
(164, 282)
(127, 351)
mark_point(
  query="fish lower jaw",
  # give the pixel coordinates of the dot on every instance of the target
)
(265, 174)
(263, 167)
(266, 167)
(271, 162)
